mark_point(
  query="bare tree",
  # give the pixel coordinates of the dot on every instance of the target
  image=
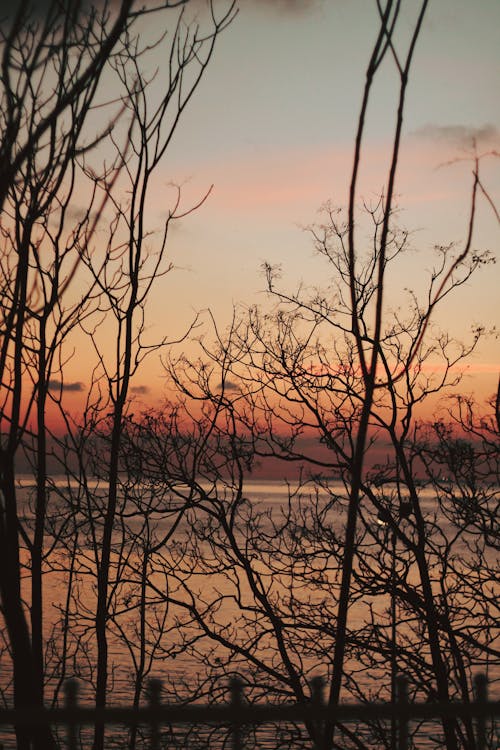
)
(124, 278)
(160, 547)
(53, 64)
(51, 68)
(262, 584)
(332, 380)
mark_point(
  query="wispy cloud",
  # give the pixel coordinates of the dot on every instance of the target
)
(277, 7)
(464, 136)
(56, 385)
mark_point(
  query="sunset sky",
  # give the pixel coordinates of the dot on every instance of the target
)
(272, 128)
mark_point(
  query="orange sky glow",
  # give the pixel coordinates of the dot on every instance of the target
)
(273, 134)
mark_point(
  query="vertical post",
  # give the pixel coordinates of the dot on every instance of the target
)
(317, 699)
(154, 692)
(393, 641)
(481, 691)
(402, 706)
(384, 518)
(70, 703)
(236, 692)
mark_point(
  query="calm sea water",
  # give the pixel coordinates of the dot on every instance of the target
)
(270, 498)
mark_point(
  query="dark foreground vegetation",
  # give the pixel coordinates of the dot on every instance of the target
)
(142, 550)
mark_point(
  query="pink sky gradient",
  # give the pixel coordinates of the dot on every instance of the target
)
(273, 132)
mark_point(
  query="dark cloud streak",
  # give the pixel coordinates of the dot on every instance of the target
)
(140, 389)
(228, 385)
(56, 385)
(287, 6)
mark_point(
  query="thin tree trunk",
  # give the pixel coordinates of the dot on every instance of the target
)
(26, 690)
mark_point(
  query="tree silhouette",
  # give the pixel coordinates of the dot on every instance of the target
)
(380, 560)
(332, 380)
(62, 178)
